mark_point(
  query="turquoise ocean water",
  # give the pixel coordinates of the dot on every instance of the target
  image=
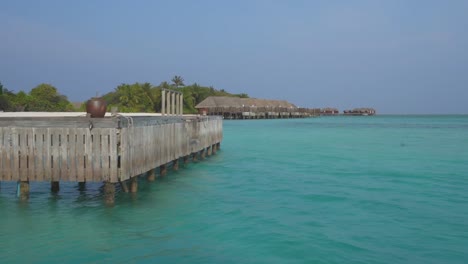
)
(383, 189)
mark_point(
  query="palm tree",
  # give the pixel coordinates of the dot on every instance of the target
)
(178, 81)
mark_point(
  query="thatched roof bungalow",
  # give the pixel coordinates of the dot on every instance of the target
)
(360, 111)
(229, 106)
(329, 111)
(236, 102)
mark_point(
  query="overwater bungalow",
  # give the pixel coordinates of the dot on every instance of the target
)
(252, 108)
(364, 111)
(329, 111)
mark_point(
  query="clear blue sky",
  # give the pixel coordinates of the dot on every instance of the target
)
(398, 56)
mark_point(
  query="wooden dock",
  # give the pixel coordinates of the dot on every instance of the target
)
(114, 149)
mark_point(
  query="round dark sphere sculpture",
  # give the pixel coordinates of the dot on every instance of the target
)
(97, 107)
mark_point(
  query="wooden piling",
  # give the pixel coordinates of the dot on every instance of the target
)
(55, 186)
(208, 151)
(151, 175)
(124, 186)
(23, 190)
(109, 192)
(186, 159)
(134, 184)
(214, 149)
(202, 154)
(81, 186)
(163, 170)
(175, 165)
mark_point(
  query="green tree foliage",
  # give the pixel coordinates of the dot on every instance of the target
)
(178, 81)
(4, 103)
(43, 97)
(144, 97)
(137, 97)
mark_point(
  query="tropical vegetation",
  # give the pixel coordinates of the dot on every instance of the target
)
(43, 97)
(136, 97)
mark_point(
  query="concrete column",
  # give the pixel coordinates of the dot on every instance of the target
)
(22, 190)
(163, 170)
(163, 102)
(177, 104)
(109, 192)
(172, 103)
(168, 103)
(151, 175)
(181, 103)
(134, 184)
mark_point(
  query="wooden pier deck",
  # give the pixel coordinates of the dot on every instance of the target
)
(111, 149)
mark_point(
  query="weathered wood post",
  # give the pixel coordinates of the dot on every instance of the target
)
(134, 184)
(124, 186)
(151, 175)
(213, 149)
(81, 186)
(208, 150)
(22, 190)
(202, 154)
(194, 156)
(186, 159)
(175, 164)
(163, 170)
(55, 186)
(109, 192)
